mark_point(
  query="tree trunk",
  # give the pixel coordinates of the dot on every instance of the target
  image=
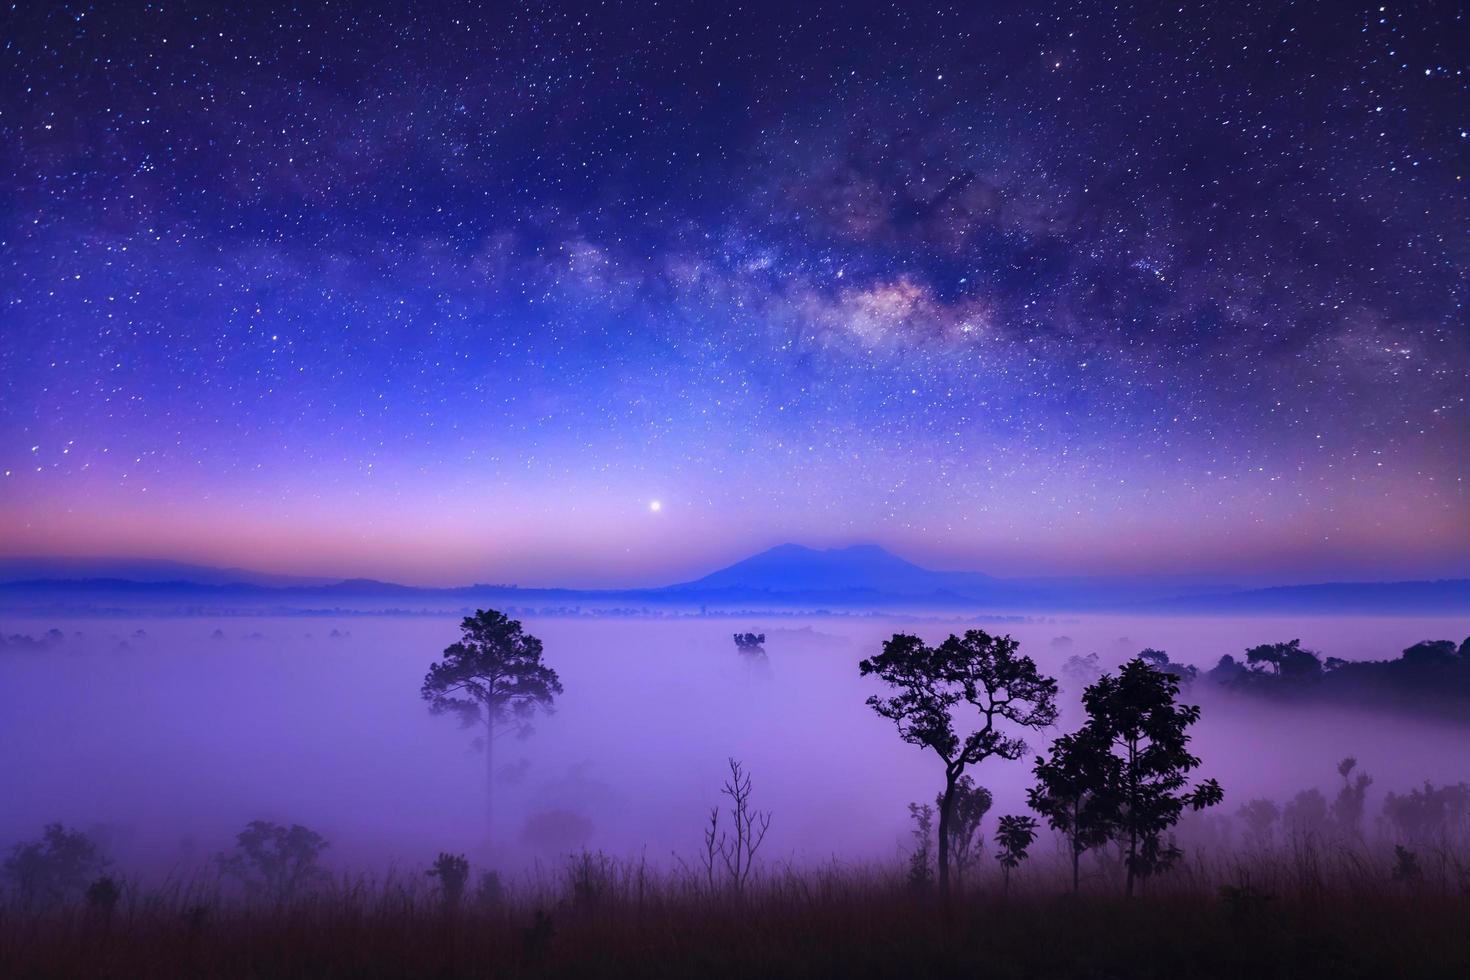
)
(1132, 810)
(944, 808)
(490, 781)
(1132, 859)
(1076, 848)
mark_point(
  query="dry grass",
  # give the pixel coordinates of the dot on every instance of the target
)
(1310, 910)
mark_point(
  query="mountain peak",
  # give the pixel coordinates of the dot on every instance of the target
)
(791, 548)
(794, 567)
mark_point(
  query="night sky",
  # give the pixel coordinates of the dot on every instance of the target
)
(615, 294)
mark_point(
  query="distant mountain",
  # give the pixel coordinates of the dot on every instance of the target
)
(371, 586)
(795, 568)
(144, 570)
(836, 573)
(790, 576)
(1436, 596)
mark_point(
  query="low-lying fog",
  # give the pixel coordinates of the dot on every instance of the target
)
(163, 737)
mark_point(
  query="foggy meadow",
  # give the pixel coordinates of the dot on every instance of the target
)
(178, 731)
(238, 795)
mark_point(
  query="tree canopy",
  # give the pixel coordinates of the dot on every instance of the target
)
(976, 671)
(1072, 793)
(493, 676)
(54, 867)
(273, 860)
(1137, 717)
(1289, 660)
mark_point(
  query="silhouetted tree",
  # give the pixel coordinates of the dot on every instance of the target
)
(275, 861)
(968, 809)
(1081, 670)
(488, 890)
(713, 841)
(102, 896)
(979, 670)
(1159, 660)
(1428, 815)
(1305, 814)
(1072, 793)
(750, 643)
(921, 865)
(1259, 816)
(1137, 716)
(738, 850)
(493, 677)
(1405, 864)
(1229, 672)
(1014, 835)
(1286, 660)
(1347, 808)
(1430, 654)
(453, 872)
(55, 867)
(734, 850)
(1430, 676)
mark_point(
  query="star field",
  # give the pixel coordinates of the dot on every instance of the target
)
(452, 292)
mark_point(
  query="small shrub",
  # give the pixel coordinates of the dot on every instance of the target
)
(275, 861)
(1014, 835)
(921, 868)
(453, 872)
(54, 868)
(1405, 864)
(102, 895)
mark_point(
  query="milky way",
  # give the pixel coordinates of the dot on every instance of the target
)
(446, 292)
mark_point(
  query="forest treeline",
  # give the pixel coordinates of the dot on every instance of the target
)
(1431, 676)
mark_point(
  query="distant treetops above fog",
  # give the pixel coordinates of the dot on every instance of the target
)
(1430, 674)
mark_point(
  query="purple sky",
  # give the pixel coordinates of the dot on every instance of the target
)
(1025, 290)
